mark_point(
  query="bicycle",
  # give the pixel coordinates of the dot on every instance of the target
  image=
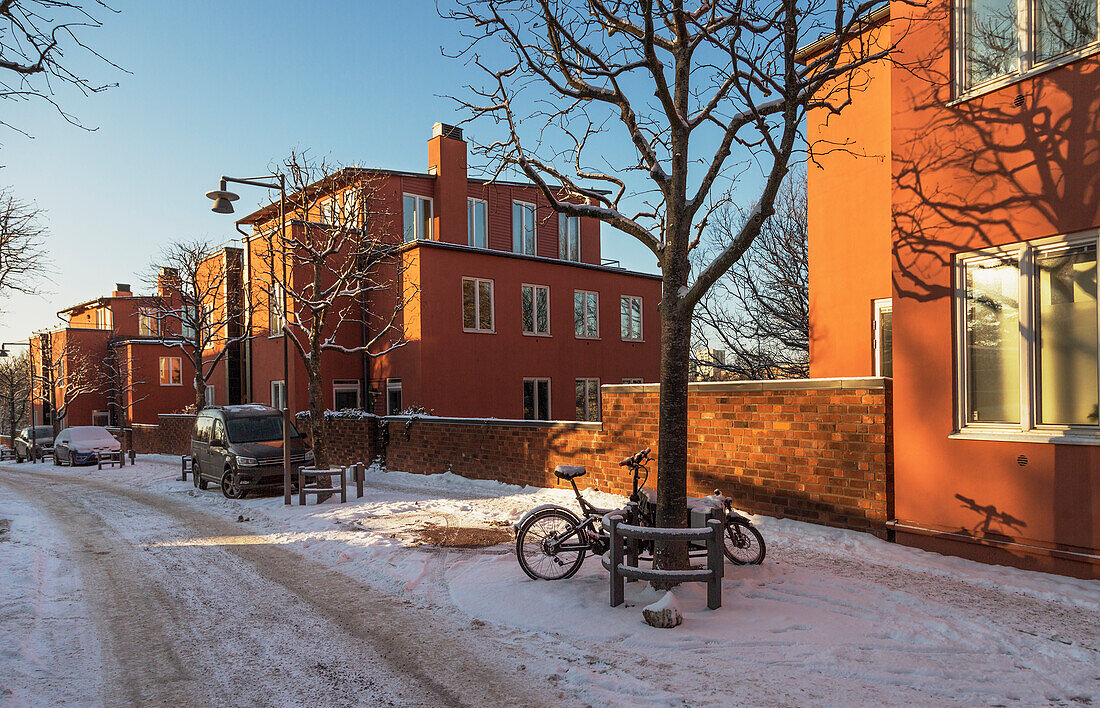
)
(552, 541)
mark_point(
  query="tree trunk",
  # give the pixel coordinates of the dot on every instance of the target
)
(200, 388)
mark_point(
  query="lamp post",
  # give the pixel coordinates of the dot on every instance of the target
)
(30, 390)
(223, 204)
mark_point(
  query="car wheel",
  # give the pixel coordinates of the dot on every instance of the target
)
(194, 474)
(199, 481)
(56, 462)
(229, 489)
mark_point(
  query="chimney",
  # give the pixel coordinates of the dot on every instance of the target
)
(121, 290)
(447, 161)
(168, 281)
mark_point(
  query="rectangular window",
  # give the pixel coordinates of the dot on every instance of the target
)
(345, 395)
(523, 228)
(393, 397)
(569, 237)
(278, 395)
(171, 371)
(148, 325)
(1029, 345)
(101, 418)
(535, 307)
(276, 305)
(104, 319)
(476, 229)
(477, 305)
(586, 314)
(418, 218)
(630, 318)
(208, 395)
(536, 399)
(588, 399)
(883, 343)
(633, 381)
(993, 45)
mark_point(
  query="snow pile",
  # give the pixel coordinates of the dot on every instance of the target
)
(663, 614)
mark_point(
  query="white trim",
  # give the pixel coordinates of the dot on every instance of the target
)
(477, 329)
(429, 233)
(469, 235)
(641, 318)
(549, 395)
(534, 227)
(346, 386)
(586, 336)
(535, 311)
(394, 384)
(282, 385)
(880, 306)
(174, 362)
(563, 219)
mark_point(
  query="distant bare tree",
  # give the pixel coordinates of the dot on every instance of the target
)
(35, 36)
(23, 259)
(192, 299)
(759, 312)
(67, 374)
(333, 266)
(15, 381)
(120, 378)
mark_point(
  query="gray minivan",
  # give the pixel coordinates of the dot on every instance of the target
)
(240, 448)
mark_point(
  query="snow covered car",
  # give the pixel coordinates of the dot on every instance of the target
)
(83, 444)
(39, 439)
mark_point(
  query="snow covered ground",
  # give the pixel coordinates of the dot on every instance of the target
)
(831, 618)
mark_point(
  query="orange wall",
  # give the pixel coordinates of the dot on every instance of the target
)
(848, 191)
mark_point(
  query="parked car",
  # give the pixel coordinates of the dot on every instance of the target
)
(83, 444)
(240, 448)
(28, 446)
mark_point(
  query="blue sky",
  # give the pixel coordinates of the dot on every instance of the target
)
(221, 88)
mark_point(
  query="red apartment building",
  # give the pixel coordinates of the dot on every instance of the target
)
(953, 247)
(111, 358)
(512, 311)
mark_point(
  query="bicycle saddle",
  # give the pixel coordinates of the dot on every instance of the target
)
(569, 471)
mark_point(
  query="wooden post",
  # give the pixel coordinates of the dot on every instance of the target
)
(714, 564)
(183, 468)
(301, 487)
(359, 475)
(343, 484)
(617, 590)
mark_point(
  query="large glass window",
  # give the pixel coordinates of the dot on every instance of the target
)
(477, 305)
(536, 399)
(569, 237)
(523, 228)
(586, 314)
(535, 307)
(418, 218)
(476, 228)
(992, 45)
(630, 318)
(588, 399)
(1030, 339)
(171, 371)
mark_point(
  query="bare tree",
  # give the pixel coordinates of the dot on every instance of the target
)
(15, 381)
(66, 374)
(759, 311)
(685, 86)
(22, 253)
(199, 299)
(121, 377)
(35, 37)
(337, 274)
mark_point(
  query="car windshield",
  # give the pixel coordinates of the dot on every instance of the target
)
(267, 428)
(91, 435)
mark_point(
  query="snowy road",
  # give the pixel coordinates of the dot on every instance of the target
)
(236, 621)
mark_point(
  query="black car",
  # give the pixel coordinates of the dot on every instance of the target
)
(33, 443)
(240, 448)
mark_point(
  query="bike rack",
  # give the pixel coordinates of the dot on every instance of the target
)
(623, 534)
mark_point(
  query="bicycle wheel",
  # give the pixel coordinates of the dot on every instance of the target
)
(743, 543)
(536, 543)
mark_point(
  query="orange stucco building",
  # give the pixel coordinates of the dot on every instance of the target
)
(953, 247)
(511, 311)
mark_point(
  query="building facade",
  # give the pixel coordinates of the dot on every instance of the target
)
(503, 308)
(953, 247)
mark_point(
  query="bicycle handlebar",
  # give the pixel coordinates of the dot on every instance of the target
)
(635, 459)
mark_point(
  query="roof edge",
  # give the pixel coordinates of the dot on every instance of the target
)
(875, 17)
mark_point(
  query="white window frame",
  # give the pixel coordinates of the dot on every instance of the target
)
(879, 307)
(599, 399)
(1027, 65)
(549, 395)
(394, 385)
(633, 381)
(418, 227)
(104, 318)
(586, 293)
(477, 329)
(148, 315)
(534, 226)
(280, 397)
(630, 310)
(534, 314)
(208, 395)
(571, 250)
(101, 418)
(347, 386)
(175, 366)
(277, 306)
(1029, 429)
(470, 240)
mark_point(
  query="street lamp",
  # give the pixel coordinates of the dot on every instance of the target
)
(223, 204)
(30, 391)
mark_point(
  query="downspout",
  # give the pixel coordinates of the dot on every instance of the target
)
(246, 286)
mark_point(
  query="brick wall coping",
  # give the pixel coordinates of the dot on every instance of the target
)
(504, 422)
(175, 415)
(855, 382)
(150, 426)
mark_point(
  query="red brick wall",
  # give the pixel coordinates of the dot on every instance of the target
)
(171, 436)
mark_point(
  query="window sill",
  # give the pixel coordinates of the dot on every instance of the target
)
(587, 339)
(1033, 436)
(1005, 81)
(545, 335)
(634, 341)
(479, 331)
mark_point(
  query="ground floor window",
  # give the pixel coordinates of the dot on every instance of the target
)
(536, 399)
(588, 399)
(278, 394)
(101, 418)
(633, 381)
(883, 325)
(345, 395)
(171, 371)
(1027, 345)
(393, 396)
(208, 395)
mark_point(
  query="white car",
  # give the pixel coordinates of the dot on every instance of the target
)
(83, 444)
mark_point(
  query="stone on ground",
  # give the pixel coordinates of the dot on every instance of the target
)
(664, 614)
